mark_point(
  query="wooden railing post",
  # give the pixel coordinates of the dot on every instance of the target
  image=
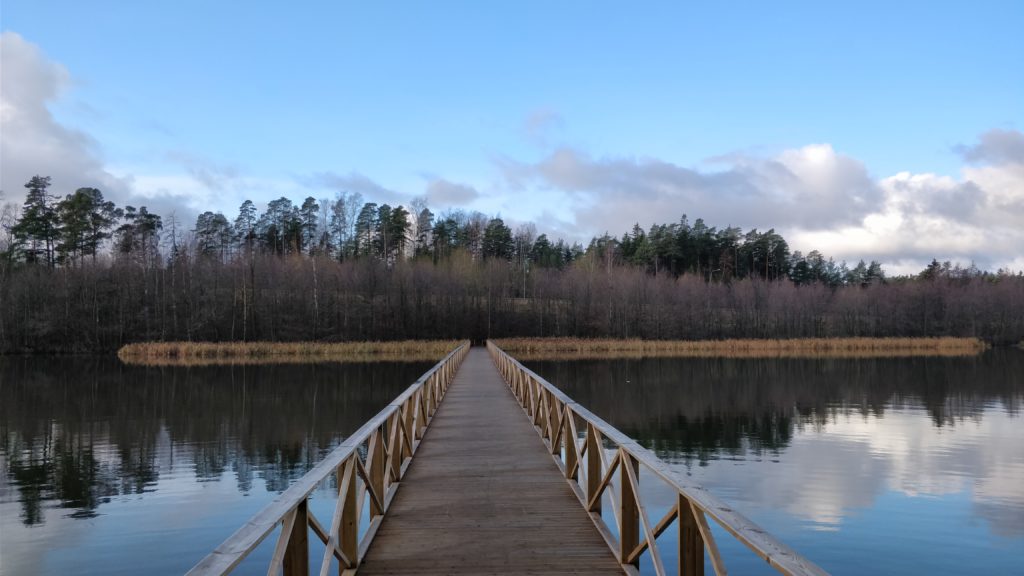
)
(408, 427)
(554, 410)
(348, 534)
(396, 448)
(428, 389)
(569, 434)
(296, 555)
(420, 420)
(593, 467)
(375, 454)
(629, 514)
(691, 545)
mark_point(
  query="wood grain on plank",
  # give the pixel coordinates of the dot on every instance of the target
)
(483, 496)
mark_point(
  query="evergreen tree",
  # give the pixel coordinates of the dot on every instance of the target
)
(366, 229)
(85, 222)
(398, 225)
(213, 234)
(424, 232)
(497, 240)
(245, 224)
(138, 238)
(279, 228)
(37, 231)
(382, 246)
(308, 216)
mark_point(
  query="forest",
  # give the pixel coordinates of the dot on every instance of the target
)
(80, 274)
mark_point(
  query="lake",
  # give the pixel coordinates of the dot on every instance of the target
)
(864, 466)
(895, 465)
(106, 469)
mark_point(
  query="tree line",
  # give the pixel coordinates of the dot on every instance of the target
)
(81, 274)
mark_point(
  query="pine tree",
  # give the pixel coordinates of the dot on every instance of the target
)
(497, 241)
(85, 222)
(308, 215)
(37, 230)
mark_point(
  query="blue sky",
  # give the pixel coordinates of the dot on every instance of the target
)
(536, 108)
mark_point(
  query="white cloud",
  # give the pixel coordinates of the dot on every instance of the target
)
(441, 192)
(978, 218)
(32, 141)
(355, 182)
(997, 147)
(818, 198)
(811, 184)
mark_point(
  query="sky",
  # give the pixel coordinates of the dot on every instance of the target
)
(891, 131)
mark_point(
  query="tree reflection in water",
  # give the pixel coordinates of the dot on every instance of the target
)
(77, 432)
(705, 408)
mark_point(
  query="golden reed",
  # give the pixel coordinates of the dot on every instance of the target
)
(573, 348)
(212, 353)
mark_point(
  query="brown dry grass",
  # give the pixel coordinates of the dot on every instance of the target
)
(213, 353)
(571, 348)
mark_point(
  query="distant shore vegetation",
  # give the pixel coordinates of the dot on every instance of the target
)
(79, 274)
(575, 348)
(213, 353)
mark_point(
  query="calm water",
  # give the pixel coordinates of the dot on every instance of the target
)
(106, 469)
(864, 466)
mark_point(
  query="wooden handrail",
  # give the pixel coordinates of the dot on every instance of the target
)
(389, 440)
(591, 475)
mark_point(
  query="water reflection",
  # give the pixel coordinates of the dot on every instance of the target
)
(704, 408)
(926, 452)
(85, 438)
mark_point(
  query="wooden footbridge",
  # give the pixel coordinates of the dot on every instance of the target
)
(485, 495)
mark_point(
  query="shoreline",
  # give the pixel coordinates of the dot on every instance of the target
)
(250, 353)
(578, 349)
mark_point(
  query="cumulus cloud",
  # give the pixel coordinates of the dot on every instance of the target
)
(996, 146)
(976, 217)
(33, 141)
(811, 185)
(354, 182)
(441, 192)
(819, 198)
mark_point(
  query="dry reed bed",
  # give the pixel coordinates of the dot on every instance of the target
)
(214, 353)
(570, 348)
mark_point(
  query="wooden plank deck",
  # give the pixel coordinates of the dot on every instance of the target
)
(483, 496)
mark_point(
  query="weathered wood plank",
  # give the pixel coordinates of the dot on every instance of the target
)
(484, 496)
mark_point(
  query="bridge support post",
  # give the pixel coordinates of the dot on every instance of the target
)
(570, 442)
(691, 544)
(296, 555)
(375, 457)
(348, 532)
(593, 467)
(629, 530)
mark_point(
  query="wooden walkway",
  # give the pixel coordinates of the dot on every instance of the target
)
(483, 496)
